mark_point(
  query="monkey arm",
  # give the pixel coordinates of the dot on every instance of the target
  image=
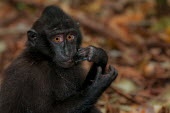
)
(79, 103)
(10, 97)
(83, 101)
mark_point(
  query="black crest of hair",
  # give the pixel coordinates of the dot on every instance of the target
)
(47, 77)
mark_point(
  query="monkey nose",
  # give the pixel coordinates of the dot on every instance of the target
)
(67, 53)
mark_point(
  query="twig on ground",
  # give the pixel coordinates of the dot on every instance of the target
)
(129, 97)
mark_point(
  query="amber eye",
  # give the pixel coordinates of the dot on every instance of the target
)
(70, 37)
(58, 39)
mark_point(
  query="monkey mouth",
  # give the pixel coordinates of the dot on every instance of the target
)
(69, 61)
(67, 64)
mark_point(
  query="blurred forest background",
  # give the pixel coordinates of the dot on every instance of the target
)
(135, 34)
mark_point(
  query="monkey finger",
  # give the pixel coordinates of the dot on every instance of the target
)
(89, 58)
(110, 70)
(113, 73)
(83, 54)
(110, 67)
(99, 73)
(83, 49)
(114, 76)
(91, 47)
(81, 59)
(80, 49)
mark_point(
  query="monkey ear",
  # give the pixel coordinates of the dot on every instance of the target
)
(32, 36)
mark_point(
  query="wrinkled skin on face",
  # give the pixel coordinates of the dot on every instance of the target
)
(64, 46)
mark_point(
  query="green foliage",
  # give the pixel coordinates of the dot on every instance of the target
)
(21, 6)
(161, 24)
(161, 2)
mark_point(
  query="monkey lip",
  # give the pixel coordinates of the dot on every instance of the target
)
(67, 62)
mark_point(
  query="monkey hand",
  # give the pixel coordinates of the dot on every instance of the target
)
(92, 54)
(103, 81)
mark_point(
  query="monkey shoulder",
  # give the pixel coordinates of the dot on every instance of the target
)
(23, 70)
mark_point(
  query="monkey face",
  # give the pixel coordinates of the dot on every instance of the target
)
(64, 46)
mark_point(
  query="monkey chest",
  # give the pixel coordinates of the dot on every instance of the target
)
(64, 89)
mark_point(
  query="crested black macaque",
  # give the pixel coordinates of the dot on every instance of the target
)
(47, 76)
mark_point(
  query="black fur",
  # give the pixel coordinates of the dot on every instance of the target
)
(36, 82)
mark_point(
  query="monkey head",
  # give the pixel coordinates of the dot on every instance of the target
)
(56, 35)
